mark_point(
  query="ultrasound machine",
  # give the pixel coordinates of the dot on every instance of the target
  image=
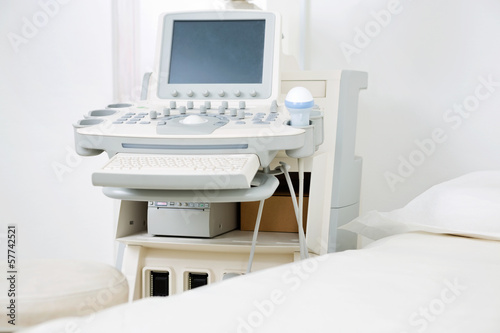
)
(211, 130)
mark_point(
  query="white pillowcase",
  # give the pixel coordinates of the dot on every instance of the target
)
(468, 205)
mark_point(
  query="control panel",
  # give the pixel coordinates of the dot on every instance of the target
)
(189, 127)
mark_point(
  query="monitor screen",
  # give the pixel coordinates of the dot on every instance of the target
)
(218, 55)
(214, 51)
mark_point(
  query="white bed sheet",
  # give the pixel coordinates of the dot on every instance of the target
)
(414, 282)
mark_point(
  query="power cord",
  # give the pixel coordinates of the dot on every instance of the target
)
(298, 208)
(254, 239)
(298, 212)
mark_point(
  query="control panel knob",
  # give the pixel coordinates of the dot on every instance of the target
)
(242, 104)
(253, 93)
(241, 114)
(233, 112)
(190, 105)
(205, 93)
(237, 93)
(190, 93)
(174, 93)
(182, 109)
(225, 104)
(153, 114)
(208, 104)
(222, 110)
(221, 93)
(173, 104)
(166, 112)
(274, 106)
(203, 109)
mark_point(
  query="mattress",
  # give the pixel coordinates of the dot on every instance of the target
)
(411, 282)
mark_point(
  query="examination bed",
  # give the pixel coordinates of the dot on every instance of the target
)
(423, 274)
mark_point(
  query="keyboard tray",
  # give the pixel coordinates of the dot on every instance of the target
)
(178, 172)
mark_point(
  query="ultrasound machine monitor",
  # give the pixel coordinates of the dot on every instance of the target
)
(217, 55)
(213, 96)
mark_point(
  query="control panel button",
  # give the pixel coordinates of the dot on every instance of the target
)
(174, 93)
(153, 114)
(221, 93)
(237, 93)
(205, 93)
(190, 93)
(271, 117)
(253, 93)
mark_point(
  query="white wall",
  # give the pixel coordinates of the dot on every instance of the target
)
(425, 60)
(55, 65)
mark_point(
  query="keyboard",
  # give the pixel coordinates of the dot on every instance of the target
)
(178, 172)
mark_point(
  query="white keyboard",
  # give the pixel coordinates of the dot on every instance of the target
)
(178, 172)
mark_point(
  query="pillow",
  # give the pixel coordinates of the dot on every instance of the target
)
(468, 206)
